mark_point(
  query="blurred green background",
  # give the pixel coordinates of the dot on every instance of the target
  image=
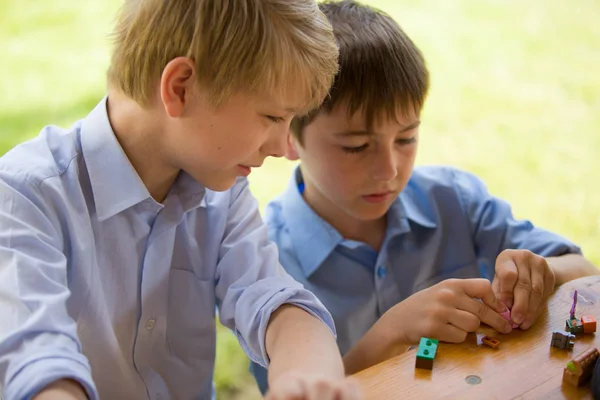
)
(515, 98)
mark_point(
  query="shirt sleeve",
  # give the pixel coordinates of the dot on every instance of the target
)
(38, 340)
(495, 229)
(251, 284)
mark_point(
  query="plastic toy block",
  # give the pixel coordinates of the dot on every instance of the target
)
(426, 353)
(589, 324)
(506, 315)
(491, 342)
(563, 340)
(579, 370)
(574, 326)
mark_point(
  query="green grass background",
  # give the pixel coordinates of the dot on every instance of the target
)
(515, 98)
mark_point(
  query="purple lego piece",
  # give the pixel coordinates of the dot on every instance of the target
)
(506, 315)
(572, 313)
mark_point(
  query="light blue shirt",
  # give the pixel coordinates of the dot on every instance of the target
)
(102, 284)
(444, 224)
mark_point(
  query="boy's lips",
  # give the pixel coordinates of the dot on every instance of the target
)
(245, 170)
(378, 197)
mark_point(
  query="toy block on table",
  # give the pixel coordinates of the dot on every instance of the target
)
(491, 342)
(589, 324)
(426, 353)
(574, 326)
(579, 370)
(563, 340)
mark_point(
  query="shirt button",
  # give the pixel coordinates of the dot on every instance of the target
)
(150, 323)
(381, 271)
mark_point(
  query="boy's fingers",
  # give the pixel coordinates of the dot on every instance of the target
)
(536, 297)
(462, 322)
(522, 293)
(508, 274)
(480, 288)
(485, 314)
(352, 390)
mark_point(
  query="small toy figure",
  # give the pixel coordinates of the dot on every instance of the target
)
(563, 340)
(580, 369)
(491, 342)
(587, 324)
(426, 353)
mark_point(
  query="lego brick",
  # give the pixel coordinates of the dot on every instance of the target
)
(426, 353)
(579, 370)
(574, 326)
(571, 378)
(589, 324)
(491, 342)
(424, 363)
(427, 348)
(506, 315)
(562, 340)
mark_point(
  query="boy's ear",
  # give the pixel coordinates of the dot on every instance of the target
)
(177, 84)
(291, 152)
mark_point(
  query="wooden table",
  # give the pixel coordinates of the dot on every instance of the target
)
(524, 366)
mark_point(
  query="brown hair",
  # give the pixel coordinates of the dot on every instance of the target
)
(381, 71)
(255, 46)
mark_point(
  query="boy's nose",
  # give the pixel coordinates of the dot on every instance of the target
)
(385, 167)
(276, 143)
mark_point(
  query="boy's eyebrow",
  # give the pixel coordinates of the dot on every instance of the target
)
(363, 132)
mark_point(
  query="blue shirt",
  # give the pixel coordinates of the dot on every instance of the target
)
(444, 224)
(102, 284)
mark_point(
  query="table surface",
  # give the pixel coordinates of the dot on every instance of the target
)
(524, 366)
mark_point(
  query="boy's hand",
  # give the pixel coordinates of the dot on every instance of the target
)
(447, 311)
(523, 281)
(313, 387)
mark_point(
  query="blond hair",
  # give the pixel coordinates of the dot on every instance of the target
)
(255, 46)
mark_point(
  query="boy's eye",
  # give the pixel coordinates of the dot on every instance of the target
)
(404, 142)
(275, 119)
(354, 150)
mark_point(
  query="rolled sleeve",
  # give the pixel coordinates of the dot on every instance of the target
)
(38, 340)
(45, 368)
(495, 229)
(251, 284)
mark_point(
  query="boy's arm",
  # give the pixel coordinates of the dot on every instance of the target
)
(495, 229)
(260, 302)
(571, 266)
(65, 389)
(298, 341)
(377, 345)
(38, 339)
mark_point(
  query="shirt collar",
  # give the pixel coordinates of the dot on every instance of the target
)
(315, 239)
(116, 186)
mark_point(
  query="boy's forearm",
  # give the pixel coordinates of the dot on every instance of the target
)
(377, 345)
(64, 389)
(297, 341)
(571, 266)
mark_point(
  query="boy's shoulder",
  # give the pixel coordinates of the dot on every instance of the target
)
(438, 181)
(45, 156)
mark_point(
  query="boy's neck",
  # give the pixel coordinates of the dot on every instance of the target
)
(370, 232)
(138, 131)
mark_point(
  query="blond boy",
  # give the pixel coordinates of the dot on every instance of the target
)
(120, 235)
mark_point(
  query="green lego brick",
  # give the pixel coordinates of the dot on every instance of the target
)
(571, 367)
(427, 348)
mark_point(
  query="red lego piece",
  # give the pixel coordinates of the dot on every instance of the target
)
(488, 341)
(589, 324)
